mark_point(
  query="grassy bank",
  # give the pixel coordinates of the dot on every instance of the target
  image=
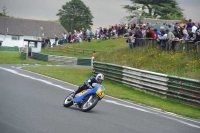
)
(153, 59)
(94, 45)
(116, 51)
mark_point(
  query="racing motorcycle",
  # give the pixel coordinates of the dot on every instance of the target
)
(87, 99)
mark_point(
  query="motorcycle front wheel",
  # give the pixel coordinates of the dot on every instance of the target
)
(68, 100)
(90, 103)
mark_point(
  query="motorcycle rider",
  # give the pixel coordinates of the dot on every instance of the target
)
(88, 83)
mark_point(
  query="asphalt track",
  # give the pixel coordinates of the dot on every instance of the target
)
(32, 103)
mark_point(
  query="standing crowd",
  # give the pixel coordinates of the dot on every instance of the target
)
(136, 34)
(168, 33)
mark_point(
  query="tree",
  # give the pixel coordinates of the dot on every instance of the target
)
(4, 13)
(75, 15)
(163, 9)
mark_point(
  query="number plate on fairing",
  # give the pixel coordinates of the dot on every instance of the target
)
(100, 93)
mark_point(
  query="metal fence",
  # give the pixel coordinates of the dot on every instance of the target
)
(5, 48)
(177, 46)
(61, 59)
(184, 90)
(179, 89)
(71, 50)
(23, 55)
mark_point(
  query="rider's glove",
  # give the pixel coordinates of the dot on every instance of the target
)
(89, 86)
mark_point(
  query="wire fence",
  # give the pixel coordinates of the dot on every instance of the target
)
(175, 45)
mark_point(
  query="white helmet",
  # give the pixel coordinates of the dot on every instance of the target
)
(100, 78)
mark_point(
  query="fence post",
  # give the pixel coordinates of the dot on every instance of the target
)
(198, 48)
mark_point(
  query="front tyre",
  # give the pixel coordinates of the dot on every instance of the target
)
(90, 103)
(68, 100)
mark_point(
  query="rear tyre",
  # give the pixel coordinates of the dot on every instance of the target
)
(68, 100)
(90, 103)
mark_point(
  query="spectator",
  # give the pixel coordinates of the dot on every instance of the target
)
(116, 29)
(47, 42)
(197, 35)
(63, 39)
(194, 28)
(151, 33)
(126, 28)
(163, 39)
(88, 38)
(97, 33)
(191, 34)
(185, 35)
(148, 33)
(60, 41)
(102, 36)
(157, 32)
(170, 37)
(143, 30)
(162, 30)
(56, 40)
(177, 35)
(84, 34)
(93, 55)
(120, 29)
(139, 37)
(176, 26)
(189, 24)
(91, 35)
(69, 37)
(130, 34)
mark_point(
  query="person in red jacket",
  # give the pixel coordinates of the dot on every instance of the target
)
(153, 34)
(116, 28)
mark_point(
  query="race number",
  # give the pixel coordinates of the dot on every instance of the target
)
(100, 93)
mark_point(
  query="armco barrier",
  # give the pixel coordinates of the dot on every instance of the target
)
(186, 91)
(5, 48)
(143, 80)
(62, 59)
(71, 50)
(85, 62)
(23, 55)
(38, 56)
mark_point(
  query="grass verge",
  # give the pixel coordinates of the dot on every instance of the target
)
(7, 57)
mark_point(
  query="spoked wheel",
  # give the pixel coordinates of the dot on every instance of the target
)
(90, 103)
(68, 100)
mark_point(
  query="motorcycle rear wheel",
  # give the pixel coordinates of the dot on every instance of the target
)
(88, 105)
(68, 100)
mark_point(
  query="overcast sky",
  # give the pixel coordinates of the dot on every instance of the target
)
(105, 12)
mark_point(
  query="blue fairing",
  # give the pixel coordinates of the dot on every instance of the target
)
(78, 99)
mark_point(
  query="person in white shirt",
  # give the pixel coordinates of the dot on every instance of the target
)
(194, 28)
(65, 38)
